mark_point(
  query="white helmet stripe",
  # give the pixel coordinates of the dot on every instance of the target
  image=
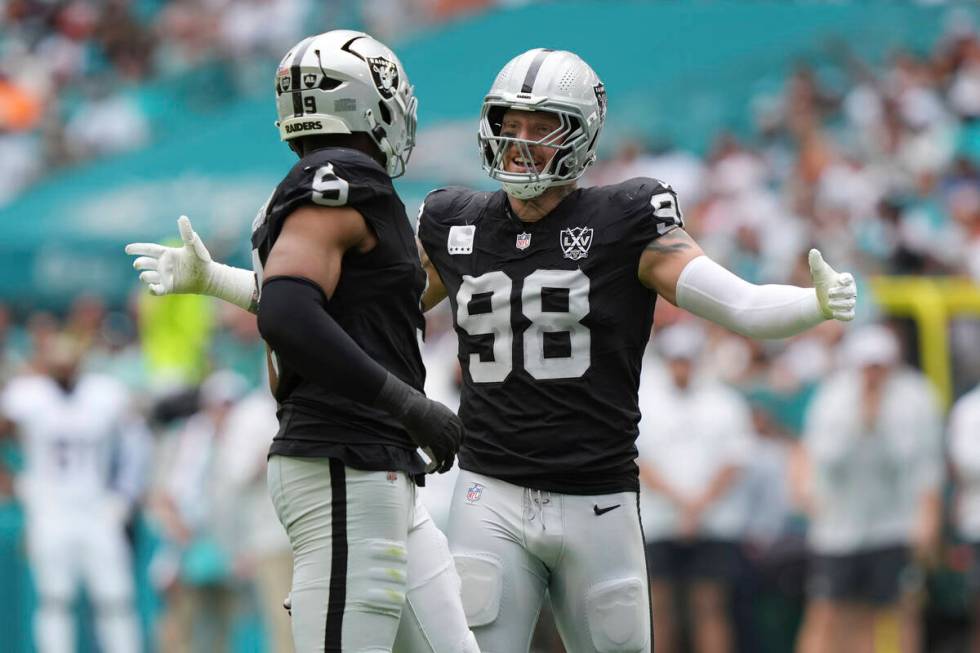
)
(294, 73)
(532, 70)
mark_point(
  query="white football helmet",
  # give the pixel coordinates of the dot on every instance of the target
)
(342, 82)
(556, 81)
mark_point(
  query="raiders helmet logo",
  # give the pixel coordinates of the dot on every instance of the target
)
(385, 75)
(309, 80)
(575, 242)
(285, 82)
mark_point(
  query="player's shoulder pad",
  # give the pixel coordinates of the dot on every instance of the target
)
(637, 191)
(334, 176)
(105, 385)
(22, 392)
(452, 205)
(646, 198)
(444, 204)
(28, 383)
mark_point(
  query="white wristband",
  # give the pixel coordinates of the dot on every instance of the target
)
(235, 285)
(771, 311)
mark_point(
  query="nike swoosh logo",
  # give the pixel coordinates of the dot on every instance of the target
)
(602, 511)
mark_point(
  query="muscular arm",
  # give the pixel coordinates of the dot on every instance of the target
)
(301, 275)
(664, 259)
(302, 272)
(676, 268)
(313, 242)
(435, 289)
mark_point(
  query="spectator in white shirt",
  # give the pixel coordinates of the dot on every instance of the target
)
(964, 453)
(195, 568)
(694, 436)
(873, 451)
(260, 548)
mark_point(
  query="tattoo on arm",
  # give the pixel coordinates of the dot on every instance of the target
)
(675, 240)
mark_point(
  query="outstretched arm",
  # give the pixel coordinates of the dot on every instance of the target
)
(676, 268)
(189, 269)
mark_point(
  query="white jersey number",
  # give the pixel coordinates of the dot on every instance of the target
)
(497, 322)
(666, 211)
(328, 188)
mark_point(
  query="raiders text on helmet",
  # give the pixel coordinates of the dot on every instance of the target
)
(342, 82)
(555, 81)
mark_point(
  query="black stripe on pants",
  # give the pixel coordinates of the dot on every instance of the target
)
(338, 563)
(646, 568)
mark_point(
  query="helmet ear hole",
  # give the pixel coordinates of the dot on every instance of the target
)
(384, 112)
(561, 165)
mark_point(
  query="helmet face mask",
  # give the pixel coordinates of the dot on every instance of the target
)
(345, 82)
(558, 83)
(499, 146)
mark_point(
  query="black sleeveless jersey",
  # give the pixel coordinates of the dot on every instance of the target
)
(376, 302)
(552, 322)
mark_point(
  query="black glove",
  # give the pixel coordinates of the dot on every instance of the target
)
(432, 426)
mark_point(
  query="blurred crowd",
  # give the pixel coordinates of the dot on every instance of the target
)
(76, 76)
(877, 167)
(803, 494)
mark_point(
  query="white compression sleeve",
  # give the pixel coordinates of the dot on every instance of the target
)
(235, 285)
(771, 311)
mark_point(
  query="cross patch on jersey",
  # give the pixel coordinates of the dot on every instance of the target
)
(575, 242)
(461, 239)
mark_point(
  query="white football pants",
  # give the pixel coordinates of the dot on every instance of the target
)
(511, 544)
(88, 547)
(371, 572)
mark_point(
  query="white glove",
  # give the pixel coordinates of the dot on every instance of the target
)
(836, 292)
(190, 269)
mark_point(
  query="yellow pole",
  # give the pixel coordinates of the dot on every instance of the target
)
(931, 302)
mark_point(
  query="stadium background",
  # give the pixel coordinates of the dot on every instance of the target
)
(855, 127)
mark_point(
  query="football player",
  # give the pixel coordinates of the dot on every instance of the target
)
(340, 279)
(552, 288)
(85, 453)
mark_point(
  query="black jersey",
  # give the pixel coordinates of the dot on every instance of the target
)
(376, 302)
(552, 323)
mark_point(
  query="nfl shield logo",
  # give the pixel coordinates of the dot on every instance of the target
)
(474, 493)
(523, 241)
(575, 242)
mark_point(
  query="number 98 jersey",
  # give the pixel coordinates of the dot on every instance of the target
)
(552, 323)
